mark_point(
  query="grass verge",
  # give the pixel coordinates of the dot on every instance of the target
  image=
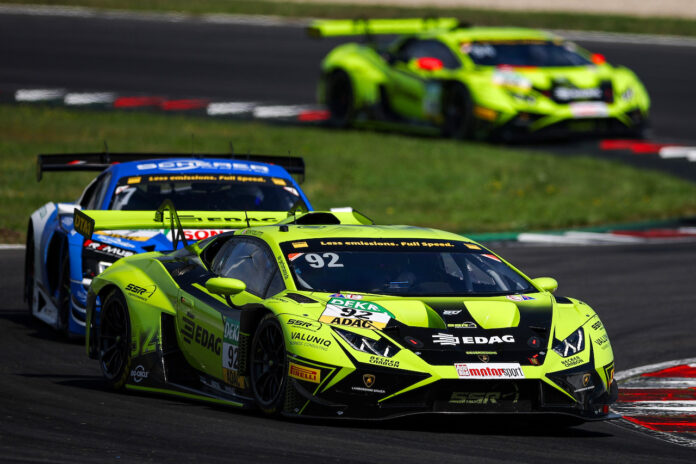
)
(595, 22)
(465, 187)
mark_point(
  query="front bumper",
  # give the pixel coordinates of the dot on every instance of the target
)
(371, 393)
(532, 125)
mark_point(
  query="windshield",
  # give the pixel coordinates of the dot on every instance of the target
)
(523, 53)
(412, 267)
(205, 192)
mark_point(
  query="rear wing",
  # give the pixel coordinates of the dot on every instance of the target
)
(100, 161)
(166, 217)
(368, 27)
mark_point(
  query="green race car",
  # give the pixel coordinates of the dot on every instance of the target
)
(475, 81)
(326, 315)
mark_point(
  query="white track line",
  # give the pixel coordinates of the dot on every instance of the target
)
(278, 111)
(35, 95)
(11, 246)
(678, 152)
(652, 367)
(74, 99)
(225, 108)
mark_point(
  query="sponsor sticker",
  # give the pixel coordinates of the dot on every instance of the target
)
(493, 257)
(446, 339)
(341, 310)
(230, 353)
(489, 371)
(139, 373)
(588, 109)
(312, 341)
(519, 297)
(190, 165)
(308, 374)
(386, 362)
(299, 244)
(142, 293)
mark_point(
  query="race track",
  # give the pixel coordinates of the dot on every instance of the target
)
(54, 406)
(244, 62)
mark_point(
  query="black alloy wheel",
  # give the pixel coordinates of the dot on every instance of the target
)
(114, 340)
(269, 366)
(339, 98)
(458, 112)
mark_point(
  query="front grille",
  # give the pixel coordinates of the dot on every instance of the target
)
(472, 396)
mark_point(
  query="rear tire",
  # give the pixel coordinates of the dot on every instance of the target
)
(340, 98)
(63, 323)
(458, 112)
(269, 366)
(114, 340)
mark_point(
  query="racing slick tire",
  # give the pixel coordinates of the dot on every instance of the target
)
(269, 366)
(114, 340)
(457, 112)
(339, 98)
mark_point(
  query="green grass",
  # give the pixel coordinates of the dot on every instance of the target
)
(596, 22)
(464, 187)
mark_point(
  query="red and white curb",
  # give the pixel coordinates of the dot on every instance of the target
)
(614, 237)
(247, 110)
(642, 147)
(660, 400)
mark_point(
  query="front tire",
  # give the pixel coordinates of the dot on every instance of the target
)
(340, 98)
(458, 112)
(269, 366)
(114, 340)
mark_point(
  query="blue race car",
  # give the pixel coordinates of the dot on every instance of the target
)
(60, 264)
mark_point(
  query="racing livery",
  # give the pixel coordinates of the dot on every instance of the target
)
(60, 265)
(475, 81)
(327, 315)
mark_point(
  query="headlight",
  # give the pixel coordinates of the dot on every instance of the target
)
(381, 347)
(628, 94)
(573, 344)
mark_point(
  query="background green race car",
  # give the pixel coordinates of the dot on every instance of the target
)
(475, 81)
(325, 315)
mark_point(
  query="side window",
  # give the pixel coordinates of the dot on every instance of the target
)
(276, 285)
(413, 49)
(249, 261)
(88, 194)
(93, 199)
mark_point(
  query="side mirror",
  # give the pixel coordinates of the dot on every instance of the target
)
(225, 286)
(548, 284)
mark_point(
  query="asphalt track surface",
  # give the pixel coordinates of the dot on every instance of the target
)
(54, 406)
(255, 63)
